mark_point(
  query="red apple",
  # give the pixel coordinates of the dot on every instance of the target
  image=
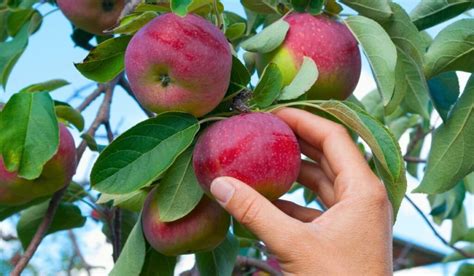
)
(93, 16)
(256, 148)
(201, 230)
(56, 173)
(329, 43)
(179, 64)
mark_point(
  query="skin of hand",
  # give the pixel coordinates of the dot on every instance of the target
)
(353, 237)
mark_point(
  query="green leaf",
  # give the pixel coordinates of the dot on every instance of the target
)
(312, 6)
(157, 264)
(268, 39)
(10, 52)
(412, 167)
(239, 74)
(74, 193)
(105, 61)
(404, 33)
(7, 211)
(456, 256)
(378, 10)
(17, 19)
(411, 83)
(69, 114)
(444, 92)
(400, 125)
(469, 183)
(465, 269)
(384, 146)
(450, 158)
(240, 231)
(221, 260)
(183, 7)
(124, 166)
(68, 216)
(447, 205)
(373, 104)
(133, 254)
(179, 191)
(132, 201)
(429, 13)
(380, 51)
(469, 235)
(269, 87)
(46, 86)
(260, 6)
(451, 49)
(235, 31)
(459, 227)
(303, 81)
(30, 133)
(131, 23)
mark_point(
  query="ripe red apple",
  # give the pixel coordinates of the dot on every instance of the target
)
(57, 172)
(93, 16)
(256, 148)
(329, 43)
(179, 64)
(201, 230)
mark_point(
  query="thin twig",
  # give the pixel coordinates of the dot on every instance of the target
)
(91, 97)
(40, 232)
(412, 159)
(78, 253)
(126, 86)
(438, 235)
(102, 116)
(243, 261)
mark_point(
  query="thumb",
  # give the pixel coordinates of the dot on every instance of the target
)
(253, 211)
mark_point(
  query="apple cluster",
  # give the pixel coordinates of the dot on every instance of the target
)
(184, 64)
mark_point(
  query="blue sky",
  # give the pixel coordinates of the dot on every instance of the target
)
(51, 54)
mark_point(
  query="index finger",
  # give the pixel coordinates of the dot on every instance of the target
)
(331, 138)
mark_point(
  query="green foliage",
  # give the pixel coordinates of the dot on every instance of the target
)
(451, 49)
(268, 39)
(157, 264)
(133, 254)
(67, 216)
(380, 51)
(221, 260)
(429, 13)
(105, 61)
(444, 92)
(30, 133)
(303, 81)
(179, 191)
(123, 166)
(450, 156)
(269, 87)
(378, 10)
(130, 24)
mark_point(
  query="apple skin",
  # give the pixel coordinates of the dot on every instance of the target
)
(93, 16)
(179, 64)
(256, 148)
(203, 229)
(56, 173)
(329, 43)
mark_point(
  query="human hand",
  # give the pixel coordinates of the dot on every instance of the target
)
(353, 237)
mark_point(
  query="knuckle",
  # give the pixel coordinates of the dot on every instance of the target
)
(249, 211)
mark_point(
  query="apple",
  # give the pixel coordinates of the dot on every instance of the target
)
(179, 64)
(332, 47)
(57, 172)
(93, 16)
(256, 148)
(203, 229)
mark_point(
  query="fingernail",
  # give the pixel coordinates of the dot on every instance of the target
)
(222, 190)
